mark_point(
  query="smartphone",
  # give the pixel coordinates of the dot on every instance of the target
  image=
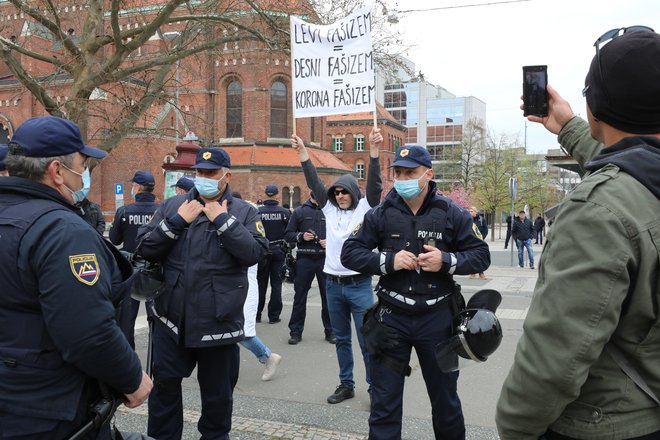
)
(535, 93)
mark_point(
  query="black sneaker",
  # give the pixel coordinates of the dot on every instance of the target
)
(274, 321)
(342, 393)
(294, 339)
(331, 338)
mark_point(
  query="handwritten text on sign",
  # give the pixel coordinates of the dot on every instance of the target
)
(333, 66)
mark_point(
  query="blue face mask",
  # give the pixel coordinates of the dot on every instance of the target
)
(79, 195)
(408, 189)
(208, 188)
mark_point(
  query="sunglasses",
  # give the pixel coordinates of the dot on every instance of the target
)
(606, 38)
(341, 191)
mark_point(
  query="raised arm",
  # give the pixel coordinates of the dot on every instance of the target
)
(374, 180)
(314, 182)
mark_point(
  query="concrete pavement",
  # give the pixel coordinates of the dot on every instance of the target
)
(293, 405)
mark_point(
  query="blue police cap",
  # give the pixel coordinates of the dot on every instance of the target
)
(185, 183)
(3, 154)
(412, 156)
(143, 178)
(212, 158)
(271, 190)
(50, 136)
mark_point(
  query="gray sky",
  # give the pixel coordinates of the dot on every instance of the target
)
(480, 51)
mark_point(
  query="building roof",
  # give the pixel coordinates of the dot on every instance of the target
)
(264, 156)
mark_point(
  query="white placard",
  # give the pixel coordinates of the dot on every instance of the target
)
(332, 66)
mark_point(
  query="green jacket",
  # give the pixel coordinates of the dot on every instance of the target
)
(599, 281)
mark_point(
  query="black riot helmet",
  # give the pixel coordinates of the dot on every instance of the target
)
(477, 333)
(147, 279)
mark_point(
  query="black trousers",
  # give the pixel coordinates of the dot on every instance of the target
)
(308, 267)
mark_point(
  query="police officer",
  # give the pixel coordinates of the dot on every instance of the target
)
(206, 239)
(3, 154)
(128, 220)
(307, 229)
(275, 220)
(422, 240)
(183, 185)
(61, 283)
(92, 214)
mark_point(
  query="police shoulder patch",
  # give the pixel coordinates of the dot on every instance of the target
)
(85, 267)
(260, 228)
(357, 228)
(476, 231)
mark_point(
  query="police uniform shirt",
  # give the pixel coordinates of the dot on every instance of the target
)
(129, 218)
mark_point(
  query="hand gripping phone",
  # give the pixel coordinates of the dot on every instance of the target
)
(535, 93)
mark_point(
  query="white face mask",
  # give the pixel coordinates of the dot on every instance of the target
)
(79, 195)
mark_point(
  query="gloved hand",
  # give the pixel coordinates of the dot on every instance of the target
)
(378, 337)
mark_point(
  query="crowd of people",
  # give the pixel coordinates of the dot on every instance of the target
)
(585, 366)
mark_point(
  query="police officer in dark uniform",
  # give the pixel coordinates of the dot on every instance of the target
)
(275, 220)
(206, 239)
(128, 220)
(423, 239)
(307, 229)
(183, 185)
(3, 154)
(61, 284)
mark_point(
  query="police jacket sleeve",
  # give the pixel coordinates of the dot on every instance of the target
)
(467, 253)
(374, 182)
(292, 234)
(575, 309)
(116, 234)
(77, 309)
(243, 240)
(576, 138)
(314, 182)
(156, 238)
(357, 254)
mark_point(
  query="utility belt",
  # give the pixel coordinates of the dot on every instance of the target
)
(416, 306)
(347, 279)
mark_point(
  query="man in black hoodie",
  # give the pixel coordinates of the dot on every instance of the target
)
(348, 292)
(591, 343)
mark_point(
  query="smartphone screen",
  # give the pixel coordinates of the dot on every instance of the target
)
(535, 94)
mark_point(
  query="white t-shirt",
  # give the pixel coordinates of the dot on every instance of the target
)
(339, 225)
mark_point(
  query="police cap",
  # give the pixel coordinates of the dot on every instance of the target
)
(412, 156)
(212, 158)
(185, 183)
(271, 190)
(50, 136)
(143, 178)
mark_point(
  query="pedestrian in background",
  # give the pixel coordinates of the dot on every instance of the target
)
(509, 219)
(421, 239)
(128, 219)
(349, 293)
(482, 229)
(586, 366)
(539, 227)
(275, 220)
(523, 231)
(307, 230)
(91, 213)
(183, 185)
(61, 286)
(205, 239)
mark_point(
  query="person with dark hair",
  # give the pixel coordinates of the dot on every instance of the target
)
(539, 226)
(92, 214)
(586, 366)
(307, 229)
(205, 240)
(62, 348)
(128, 219)
(348, 292)
(275, 220)
(509, 219)
(523, 231)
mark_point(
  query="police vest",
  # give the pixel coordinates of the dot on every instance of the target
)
(275, 220)
(407, 289)
(30, 348)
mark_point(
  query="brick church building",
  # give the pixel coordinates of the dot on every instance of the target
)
(237, 97)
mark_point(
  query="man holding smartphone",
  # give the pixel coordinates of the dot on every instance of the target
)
(591, 345)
